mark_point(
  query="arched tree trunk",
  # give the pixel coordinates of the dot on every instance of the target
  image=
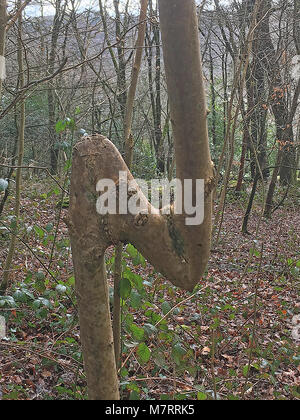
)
(177, 250)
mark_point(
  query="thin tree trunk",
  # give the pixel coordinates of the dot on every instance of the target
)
(3, 22)
(129, 145)
(239, 184)
(249, 206)
(213, 104)
(12, 245)
(246, 135)
(121, 74)
(117, 303)
(272, 186)
(9, 175)
(133, 84)
(57, 24)
(238, 88)
(155, 95)
(283, 113)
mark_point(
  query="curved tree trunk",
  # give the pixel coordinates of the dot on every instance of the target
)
(177, 250)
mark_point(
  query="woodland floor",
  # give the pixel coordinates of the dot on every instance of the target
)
(233, 338)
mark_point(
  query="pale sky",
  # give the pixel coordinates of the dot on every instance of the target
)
(35, 10)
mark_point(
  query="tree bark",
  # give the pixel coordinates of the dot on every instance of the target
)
(153, 41)
(57, 24)
(129, 143)
(3, 22)
(129, 146)
(272, 186)
(213, 104)
(6, 272)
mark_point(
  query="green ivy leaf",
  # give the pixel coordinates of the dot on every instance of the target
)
(7, 301)
(150, 329)
(143, 353)
(137, 258)
(49, 227)
(41, 302)
(19, 295)
(135, 299)
(60, 126)
(39, 231)
(201, 396)
(165, 307)
(137, 332)
(125, 288)
(245, 370)
(178, 352)
(159, 358)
